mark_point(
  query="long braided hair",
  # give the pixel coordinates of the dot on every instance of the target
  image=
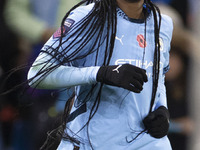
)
(100, 21)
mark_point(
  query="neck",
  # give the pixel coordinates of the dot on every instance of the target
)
(132, 9)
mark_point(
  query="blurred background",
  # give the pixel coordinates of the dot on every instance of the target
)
(26, 116)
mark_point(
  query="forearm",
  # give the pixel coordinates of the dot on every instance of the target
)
(61, 77)
(162, 98)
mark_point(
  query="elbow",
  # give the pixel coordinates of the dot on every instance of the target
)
(37, 81)
(30, 78)
(33, 79)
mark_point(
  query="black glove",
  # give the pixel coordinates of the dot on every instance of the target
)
(126, 76)
(157, 122)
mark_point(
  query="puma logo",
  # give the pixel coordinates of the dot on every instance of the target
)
(120, 39)
(116, 69)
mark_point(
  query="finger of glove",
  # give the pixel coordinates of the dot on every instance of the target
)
(149, 118)
(131, 87)
(138, 77)
(158, 132)
(158, 135)
(162, 111)
(138, 70)
(158, 121)
(142, 72)
(145, 78)
(135, 83)
(159, 128)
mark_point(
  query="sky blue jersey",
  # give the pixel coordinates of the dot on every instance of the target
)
(120, 113)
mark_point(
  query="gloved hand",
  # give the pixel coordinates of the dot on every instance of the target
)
(157, 122)
(126, 76)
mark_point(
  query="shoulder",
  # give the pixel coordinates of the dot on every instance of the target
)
(166, 24)
(167, 21)
(166, 29)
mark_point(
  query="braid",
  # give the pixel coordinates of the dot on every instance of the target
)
(156, 61)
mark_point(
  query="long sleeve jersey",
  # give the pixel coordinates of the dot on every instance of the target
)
(119, 116)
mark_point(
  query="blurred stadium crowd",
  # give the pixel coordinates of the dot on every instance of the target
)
(26, 116)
